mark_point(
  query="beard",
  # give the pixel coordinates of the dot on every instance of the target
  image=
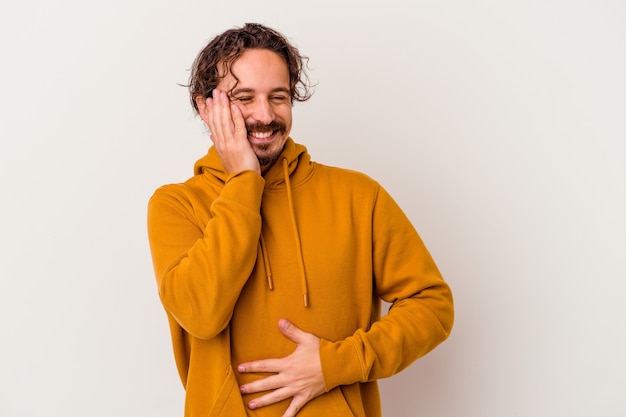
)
(268, 153)
(265, 155)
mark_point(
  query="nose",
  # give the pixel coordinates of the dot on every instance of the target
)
(263, 111)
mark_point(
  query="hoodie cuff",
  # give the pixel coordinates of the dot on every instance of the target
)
(245, 187)
(341, 363)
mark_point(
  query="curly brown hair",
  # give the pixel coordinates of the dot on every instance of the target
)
(226, 48)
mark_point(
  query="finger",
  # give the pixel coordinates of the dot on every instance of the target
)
(238, 121)
(265, 366)
(294, 407)
(270, 398)
(221, 122)
(269, 383)
(211, 118)
(291, 331)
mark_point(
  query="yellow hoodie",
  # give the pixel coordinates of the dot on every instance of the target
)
(317, 245)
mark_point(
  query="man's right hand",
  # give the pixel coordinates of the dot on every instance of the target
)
(228, 133)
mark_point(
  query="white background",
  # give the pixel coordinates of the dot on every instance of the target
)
(499, 126)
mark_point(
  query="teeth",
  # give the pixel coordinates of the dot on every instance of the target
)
(261, 135)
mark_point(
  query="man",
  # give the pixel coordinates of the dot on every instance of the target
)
(271, 267)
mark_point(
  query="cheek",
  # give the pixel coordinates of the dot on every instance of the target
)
(244, 112)
(285, 115)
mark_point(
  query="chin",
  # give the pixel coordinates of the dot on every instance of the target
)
(268, 151)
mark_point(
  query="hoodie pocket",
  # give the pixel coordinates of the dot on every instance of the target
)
(331, 404)
(228, 402)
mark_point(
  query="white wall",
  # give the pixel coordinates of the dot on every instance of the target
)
(498, 126)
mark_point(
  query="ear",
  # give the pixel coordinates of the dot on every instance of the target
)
(202, 106)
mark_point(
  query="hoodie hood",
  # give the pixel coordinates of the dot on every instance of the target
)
(299, 166)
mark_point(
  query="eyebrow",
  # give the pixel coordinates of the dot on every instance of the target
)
(250, 90)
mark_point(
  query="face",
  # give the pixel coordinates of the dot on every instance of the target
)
(262, 94)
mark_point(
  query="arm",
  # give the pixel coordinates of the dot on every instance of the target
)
(421, 315)
(200, 269)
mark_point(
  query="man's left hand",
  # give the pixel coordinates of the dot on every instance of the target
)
(298, 376)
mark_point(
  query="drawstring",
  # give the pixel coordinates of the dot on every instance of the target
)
(294, 225)
(266, 263)
(305, 291)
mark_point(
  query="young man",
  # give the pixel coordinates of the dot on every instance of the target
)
(271, 267)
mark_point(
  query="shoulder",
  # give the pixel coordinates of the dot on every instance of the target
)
(348, 179)
(346, 175)
(186, 193)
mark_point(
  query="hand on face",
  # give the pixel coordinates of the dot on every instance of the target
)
(297, 376)
(228, 133)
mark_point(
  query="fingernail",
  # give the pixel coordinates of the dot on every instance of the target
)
(252, 405)
(241, 368)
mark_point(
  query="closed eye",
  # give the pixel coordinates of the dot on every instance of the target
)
(242, 99)
(279, 99)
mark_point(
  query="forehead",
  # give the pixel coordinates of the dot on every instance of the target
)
(258, 69)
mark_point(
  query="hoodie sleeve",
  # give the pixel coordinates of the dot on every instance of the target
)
(421, 315)
(201, 269)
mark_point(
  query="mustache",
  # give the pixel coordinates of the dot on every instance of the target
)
(271, 127)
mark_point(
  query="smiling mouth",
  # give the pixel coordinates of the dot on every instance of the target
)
(265, 132)
(261, 135)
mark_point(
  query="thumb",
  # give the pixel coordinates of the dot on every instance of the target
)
(291, 331)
